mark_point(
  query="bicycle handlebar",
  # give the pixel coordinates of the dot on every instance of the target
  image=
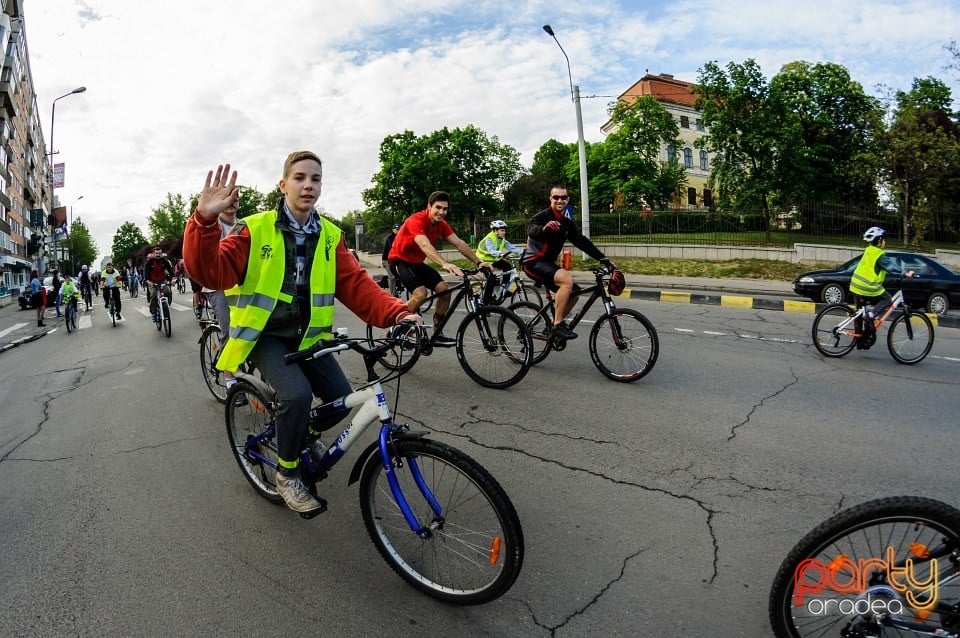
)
(338, 344)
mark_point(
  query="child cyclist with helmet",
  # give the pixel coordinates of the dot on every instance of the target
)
(866, 284)
(494, 247)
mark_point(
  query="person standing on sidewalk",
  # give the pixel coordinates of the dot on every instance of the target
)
(38, 296)
(385, 259)
(56, 292)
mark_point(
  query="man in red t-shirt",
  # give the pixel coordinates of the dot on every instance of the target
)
(414, 244)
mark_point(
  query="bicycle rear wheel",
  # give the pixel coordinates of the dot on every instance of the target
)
(250, 421)
(803, 601)
(624, 345)
(494, 347)
(828, 337)
(210, 342)
(401, 357)
(910, 338)
(471, 551)
(539, 325)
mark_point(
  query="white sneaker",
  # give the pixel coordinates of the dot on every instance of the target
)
(296, 496)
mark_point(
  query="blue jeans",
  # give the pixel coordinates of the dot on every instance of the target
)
(57, 303)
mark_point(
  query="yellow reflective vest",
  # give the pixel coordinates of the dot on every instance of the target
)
(866, 281)
(254, 299)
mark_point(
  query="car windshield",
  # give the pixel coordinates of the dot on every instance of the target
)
(48, 282)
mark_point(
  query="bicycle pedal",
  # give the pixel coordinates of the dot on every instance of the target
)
(313, 513)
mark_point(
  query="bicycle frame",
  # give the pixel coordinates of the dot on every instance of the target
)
(596, 291)
(463, 291)
(896, 303)
(372, 404)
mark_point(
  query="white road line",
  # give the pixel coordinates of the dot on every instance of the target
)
(15, 326)
(738, 336)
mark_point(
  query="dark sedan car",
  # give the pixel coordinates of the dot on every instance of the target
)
(934, 287)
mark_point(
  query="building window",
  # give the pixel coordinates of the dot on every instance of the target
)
(671, 154)
(684, 121)
(704, 165)
(692, 196)
(688, 157)
(707, 197)
(699, 124)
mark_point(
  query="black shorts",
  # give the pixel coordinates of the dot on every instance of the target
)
(542, 271)
(194, 286)
(415, 275)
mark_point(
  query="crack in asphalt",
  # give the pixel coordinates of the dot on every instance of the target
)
(47, 399)
(757, 406)
(593, 601)
(659, 490)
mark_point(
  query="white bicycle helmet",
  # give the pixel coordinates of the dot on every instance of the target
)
(873, 233)
(497, 224)
(84, 267)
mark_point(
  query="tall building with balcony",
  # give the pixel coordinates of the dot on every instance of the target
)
(678, 98)
(24, 169)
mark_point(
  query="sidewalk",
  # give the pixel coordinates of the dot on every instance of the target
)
(20, 326)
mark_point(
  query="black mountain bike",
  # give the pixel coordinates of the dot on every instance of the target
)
(623, 343)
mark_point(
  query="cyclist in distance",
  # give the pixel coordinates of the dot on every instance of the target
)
(385, 259)
(546, 234)
(69, 293)
(866, 284)
(414, 244)
(495, 246)
(84, 282)
(110, 278)
(158, 270)
(282, 270)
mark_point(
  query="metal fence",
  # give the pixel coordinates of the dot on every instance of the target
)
(819, 223)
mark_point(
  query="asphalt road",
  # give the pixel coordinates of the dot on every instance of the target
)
(656, 508)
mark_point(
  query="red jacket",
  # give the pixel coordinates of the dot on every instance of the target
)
(220, 264)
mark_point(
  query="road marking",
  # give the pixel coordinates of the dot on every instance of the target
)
(714, 333)
(15, 326)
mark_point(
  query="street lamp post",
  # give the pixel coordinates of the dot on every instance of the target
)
(581, 145)
(73, 264)
(53, 115)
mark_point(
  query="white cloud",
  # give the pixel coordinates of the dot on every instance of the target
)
(176, 87)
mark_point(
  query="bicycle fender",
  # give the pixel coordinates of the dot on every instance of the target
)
(374, 447)
(256, 382)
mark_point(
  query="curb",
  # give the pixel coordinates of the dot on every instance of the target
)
(753, 303)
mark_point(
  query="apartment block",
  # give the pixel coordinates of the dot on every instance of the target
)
(24, 171)
(678, 98)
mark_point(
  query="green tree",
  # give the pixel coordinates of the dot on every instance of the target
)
(826, 144)
(83, 246)
(169, 219)
(127, 241)
(551, 162)
(629, 161)
(475, 169)
(527, 195)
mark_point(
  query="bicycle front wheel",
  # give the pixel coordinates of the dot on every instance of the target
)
(494, 347)
(250, 421)
(470, 549)
(165, 312)
(527, 293)
(624, 345)
(68, 320)
(401, 357)
(113, 314)
(210, 342)
(851, 551)
(830, 339)
(539, 324)
(910, 338)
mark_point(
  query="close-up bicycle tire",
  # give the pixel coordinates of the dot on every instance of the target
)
(494, 347)
(472, 552)
(624, 345)
(913, 345)
(166, 319)
(828, 339)
(923, 530)
(248, 415)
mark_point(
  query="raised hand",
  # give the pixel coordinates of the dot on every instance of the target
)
(553, 225)
(218, 192)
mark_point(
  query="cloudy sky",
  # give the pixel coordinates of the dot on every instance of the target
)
(178, 86)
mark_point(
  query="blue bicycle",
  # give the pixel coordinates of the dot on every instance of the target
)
(436, 516)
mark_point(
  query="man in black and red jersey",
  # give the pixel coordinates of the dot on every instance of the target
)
(158, 270)
(546, 234)
(414, 244)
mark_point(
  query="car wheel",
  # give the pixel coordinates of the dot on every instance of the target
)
(832, 293)
(938, 303)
